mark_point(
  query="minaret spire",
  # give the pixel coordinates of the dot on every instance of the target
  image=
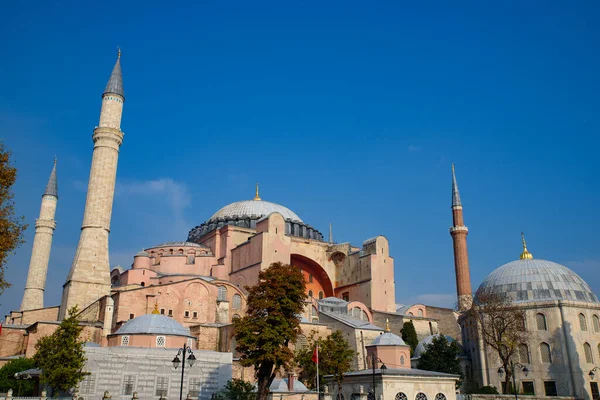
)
(33, 297)
(89, 278)
(459, 233)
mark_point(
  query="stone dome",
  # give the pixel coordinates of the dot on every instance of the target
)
(529, 280)
(421, 347)
(259, 208)
(388, 339)
(153, 324)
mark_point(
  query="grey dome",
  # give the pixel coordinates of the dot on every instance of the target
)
(421, 347)
(254, 207)
(153, 324)
(179, 244)
(142, 253)
(537, 280)
(388, 339)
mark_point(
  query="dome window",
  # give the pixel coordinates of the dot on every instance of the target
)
(582, 323)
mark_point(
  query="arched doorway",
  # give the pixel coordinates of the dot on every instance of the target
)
(317, 280)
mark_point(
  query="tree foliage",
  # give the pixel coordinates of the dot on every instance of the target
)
(8, 381)
(409, 335)
(236, 389)
(501, 324)
(11, 226)
(271, 323)
(335, 358)
(61, 356)
(442, 356)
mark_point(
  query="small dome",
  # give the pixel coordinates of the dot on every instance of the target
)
(388, 339)
(153, 324)
(142, 253)
(529, 280)
(421, 347)
(254, 207)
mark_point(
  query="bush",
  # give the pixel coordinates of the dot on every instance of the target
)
(8, 381)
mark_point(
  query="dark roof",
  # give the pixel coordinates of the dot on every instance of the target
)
(115, 82)
(455, 195)
(52, 186)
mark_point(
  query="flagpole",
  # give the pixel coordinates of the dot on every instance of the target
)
(318, 388)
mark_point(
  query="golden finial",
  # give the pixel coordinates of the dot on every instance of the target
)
(387, 325)
(525, 255)
(155, 311)
(118, 52)
(256, 196)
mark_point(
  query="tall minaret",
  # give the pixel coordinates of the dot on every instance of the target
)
(42, 243)
(459, 233)
(89, 278)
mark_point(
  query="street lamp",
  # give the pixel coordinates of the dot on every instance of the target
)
(383, 368)
(592, 375)
(176, 361)
(523, 369)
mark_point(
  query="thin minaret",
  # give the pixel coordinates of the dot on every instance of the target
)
(89, 278)
(459, 233)
(330, 234)
(33, 297)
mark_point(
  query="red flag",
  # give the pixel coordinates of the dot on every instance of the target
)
(315, 357)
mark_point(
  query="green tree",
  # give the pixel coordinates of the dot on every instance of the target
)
(7, 377)
(236, 389)
(271, 323)
(61, 356)
(11, 226)
(442, 356)
(335, 358)
(409, 335)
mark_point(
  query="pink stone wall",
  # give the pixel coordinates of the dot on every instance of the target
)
(391, 356)
(171, 342)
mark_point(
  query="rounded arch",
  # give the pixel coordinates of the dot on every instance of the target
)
(357, 304)
(320, 280)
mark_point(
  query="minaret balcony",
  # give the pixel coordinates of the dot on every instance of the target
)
(459, 229)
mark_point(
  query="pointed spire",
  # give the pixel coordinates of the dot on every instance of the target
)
(525, 255)
(330, 234)
(256, 196)
(455, 195)
(155, 311)
(115, 82)
(52, 186)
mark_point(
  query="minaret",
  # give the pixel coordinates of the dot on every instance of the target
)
(459, 233)
(33, 297)
(89, 278)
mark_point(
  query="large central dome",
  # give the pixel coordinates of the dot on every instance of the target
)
(259, 208)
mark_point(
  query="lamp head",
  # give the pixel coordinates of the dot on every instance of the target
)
(176, 361)
(500, 372)
(191, 359)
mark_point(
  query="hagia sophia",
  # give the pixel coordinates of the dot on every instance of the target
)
(188, 291)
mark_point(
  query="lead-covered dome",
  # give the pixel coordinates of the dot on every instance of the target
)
(258, 208)
(530, 279)
(153, 324)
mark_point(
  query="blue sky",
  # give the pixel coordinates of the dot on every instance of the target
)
(345, 112)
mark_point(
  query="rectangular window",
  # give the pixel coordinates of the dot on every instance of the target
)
(125, 340)
(128, 384)
(162, 311)
(194, 387)
(88, 384)
(528, 388)
(162, 386)
(160, 341)
(594, 388)
(186, 314)
(346, 296)
(310, 278)
(170, 313)
(195, 314)
(550, 388)
(131, 316)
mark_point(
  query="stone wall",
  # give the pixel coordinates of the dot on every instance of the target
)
(447, 323)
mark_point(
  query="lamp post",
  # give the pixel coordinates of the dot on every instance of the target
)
(523, 368)
(176, 361)
(383, 368)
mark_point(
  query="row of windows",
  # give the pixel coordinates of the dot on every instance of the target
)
(236, 300)
(546, 353)
(113, 98)
(419, 396)
(88, 385)
(321, 294)
(542, 324)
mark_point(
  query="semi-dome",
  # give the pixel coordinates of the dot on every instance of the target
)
(254, 207)
(529, 279)
(422, 345)
(153, 324)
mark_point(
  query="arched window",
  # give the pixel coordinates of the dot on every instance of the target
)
(582, 323)
(524, 353)
(143, 284)
(421, 396)
(310, 294)
(400, 396)
(545, 352)
(320, 294)
(364, 316)
(520, 322)
(236, 302)
(540, 320)
(236, 316)
(596, 323)
(402, 359)
(587, 349)
(222, 295)
(420, 312)
(598, 350)
(440, 396)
